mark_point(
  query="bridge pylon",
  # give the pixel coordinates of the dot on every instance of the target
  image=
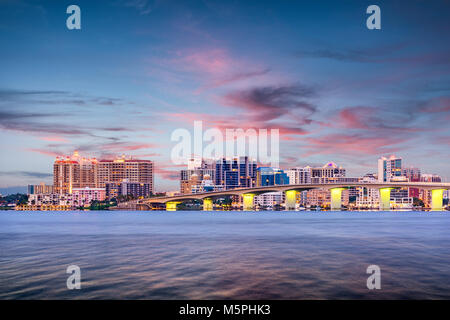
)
(208, 204)
(247, 199)
(385, 198)
(336, 199)
(172, 205)
(291, 199)
(437, 196)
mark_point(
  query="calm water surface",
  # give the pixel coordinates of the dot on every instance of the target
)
(224, 255)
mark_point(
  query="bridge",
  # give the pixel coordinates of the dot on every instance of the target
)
(291, 191)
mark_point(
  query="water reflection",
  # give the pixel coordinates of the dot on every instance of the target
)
(224, 255)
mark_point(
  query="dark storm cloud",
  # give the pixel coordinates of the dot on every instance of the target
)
(271, 102)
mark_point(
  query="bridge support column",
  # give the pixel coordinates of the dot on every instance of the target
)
(336, 199)
(437, 199)
(172, 205)
(385, 198)
(291, 199)
(207, 204)
(248, 201)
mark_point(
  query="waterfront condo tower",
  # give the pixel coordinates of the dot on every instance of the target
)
(389, 168)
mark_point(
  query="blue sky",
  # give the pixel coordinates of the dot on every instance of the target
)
(138, 69)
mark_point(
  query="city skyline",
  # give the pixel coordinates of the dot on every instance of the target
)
(83, 182)
(336, 90)
(94, 172)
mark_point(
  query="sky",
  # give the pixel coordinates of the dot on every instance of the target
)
(140, 69)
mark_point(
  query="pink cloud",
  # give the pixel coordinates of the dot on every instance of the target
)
(45, 152)
(351, 144)
(437, 105)
(355, 117)
(167, 171)
(54, 139)
(372, 119)
(124, 146)
(211, 67)
(223, 122)
(149, 155)
(213, 61)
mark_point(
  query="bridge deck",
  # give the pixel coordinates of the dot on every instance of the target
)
(298, 187)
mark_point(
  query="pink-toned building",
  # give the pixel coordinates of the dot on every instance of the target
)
(84, 196)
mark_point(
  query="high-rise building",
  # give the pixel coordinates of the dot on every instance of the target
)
(238, 172)
(426, 177)
(135, 189)
(41, 188)
(120, 169)
(329, 170)
(76, 172)
(186, 186)
(199, 169)
(299, 175)
(328, 173)
(413, 175)
(389, 168)
(66, 175)
(267, 176)
(88, 173)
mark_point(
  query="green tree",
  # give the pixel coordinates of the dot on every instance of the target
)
(418, 202)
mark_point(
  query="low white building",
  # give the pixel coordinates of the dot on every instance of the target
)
(269, 199)
(84, 196)
(49, 199)
(402, 203)
(368, 198)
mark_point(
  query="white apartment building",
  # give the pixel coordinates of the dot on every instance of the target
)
(84, 196)
(389, 168)
(49, 199)
(299, 175)
(269, 199)
(368, 198)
